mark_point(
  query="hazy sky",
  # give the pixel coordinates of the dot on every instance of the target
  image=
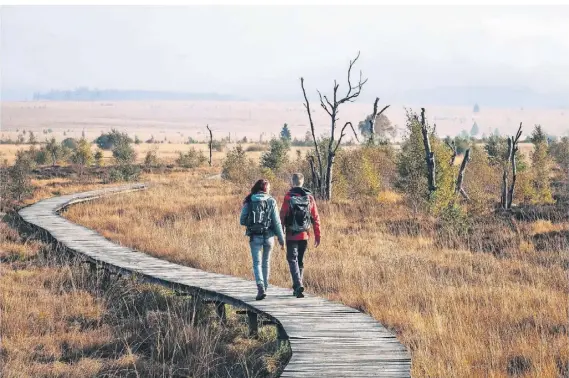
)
(260, 52)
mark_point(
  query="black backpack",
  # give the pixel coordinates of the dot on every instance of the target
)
(259, 217)
(299, 219)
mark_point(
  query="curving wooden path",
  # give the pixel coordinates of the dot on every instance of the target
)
(327, 338)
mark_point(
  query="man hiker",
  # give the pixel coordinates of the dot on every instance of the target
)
(298, 215)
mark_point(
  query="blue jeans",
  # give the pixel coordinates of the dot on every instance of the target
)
(261, 247)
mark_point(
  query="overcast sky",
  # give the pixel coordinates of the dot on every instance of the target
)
(260, 52)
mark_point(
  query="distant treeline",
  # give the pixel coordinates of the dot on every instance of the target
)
(86, 94)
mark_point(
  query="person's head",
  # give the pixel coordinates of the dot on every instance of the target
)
(297, 179)
(261, 186)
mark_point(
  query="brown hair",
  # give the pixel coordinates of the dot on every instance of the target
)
(260, 186)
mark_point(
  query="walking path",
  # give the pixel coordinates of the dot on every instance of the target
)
(327, 338)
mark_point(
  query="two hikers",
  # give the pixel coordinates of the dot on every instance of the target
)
(263, 221)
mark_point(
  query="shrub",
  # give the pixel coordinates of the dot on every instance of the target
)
(151, 158)
(363, 171)
(191, 159)
(110, 140)
(55, 151)
(412, 169)
(82, 156)
(218, 146)
(98, 158)
(20, 185)
(256, 148)
(69, 143)
(127, 172)
(541, 172)
(277, 155)
(237, 168)
(124, 153)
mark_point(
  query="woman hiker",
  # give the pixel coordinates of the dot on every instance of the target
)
(260, 215)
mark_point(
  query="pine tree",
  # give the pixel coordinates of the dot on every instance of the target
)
(475, 130)
(277, 155)
(285, 133)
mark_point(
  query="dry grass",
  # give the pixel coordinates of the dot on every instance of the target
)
(461, 314)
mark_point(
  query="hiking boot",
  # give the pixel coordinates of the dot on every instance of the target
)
(299, 292)
(260, 292)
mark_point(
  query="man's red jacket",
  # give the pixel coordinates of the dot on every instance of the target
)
(297, 191)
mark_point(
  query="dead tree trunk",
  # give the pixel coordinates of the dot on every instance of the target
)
(373, 120)
(210, 144)
(315, 178)
(429, 154)
(319, 189)
(460, 178)
(514, 150)
(507, 196)
(332, 108)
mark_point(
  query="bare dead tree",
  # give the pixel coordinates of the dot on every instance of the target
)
(514, 149)
(429, 154)
(331, 107)
(210, 144)
(459, 189)
(452, 146)
(373, 119)
(508, 192)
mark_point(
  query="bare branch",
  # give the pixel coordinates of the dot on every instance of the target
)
(323, 105)
(452, 146)
(352, 62)
(317, 150)
(355, 134)
(342, 135)
(382, 110)
(358, 88)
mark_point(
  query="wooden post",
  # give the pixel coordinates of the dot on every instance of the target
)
(221, 312)
(198, 304)
(210, 143)
(282, 337)
(253, 321)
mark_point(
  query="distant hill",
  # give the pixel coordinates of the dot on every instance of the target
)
(494, 96)
(85, 94)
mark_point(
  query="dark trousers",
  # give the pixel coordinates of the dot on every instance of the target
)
(295, 255)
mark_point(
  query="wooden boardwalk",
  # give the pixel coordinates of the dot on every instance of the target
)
(327, 338)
